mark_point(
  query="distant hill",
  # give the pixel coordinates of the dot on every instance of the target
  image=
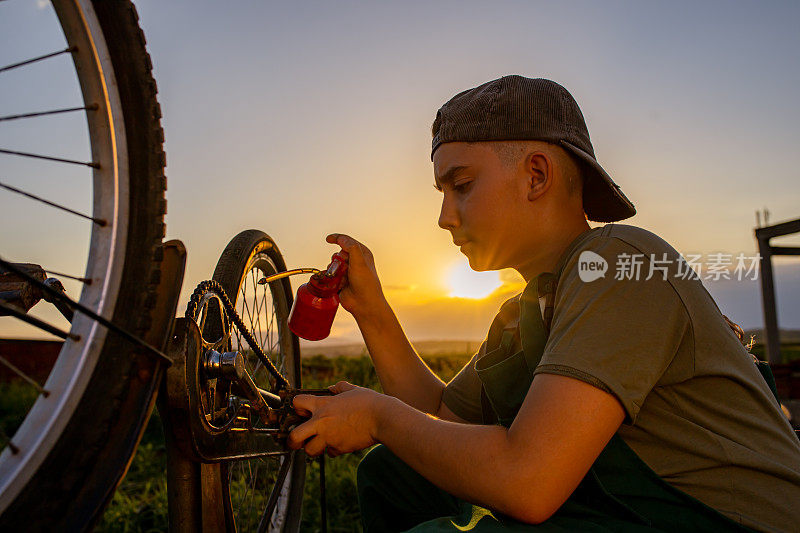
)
(786, 335)
(422, 347)
(462, 347)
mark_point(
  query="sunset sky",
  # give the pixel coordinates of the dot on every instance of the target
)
(304, 118)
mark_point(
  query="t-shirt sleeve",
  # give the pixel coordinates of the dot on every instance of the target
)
(619, 335)
(463, 394)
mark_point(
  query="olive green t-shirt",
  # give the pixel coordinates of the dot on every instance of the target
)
(697, 410)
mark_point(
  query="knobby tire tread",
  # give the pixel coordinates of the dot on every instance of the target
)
(78, 478)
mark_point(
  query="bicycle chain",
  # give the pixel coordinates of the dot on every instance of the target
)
(213, 286)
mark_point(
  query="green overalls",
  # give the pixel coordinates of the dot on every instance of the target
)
(619, 493)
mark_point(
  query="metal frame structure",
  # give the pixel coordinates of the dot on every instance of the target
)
(763, 236)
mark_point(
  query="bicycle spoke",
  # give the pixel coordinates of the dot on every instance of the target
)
(270, 351)
(253, 481)
(272, 317)
(99, 221)
(243, 295)
(257, 318)
(258, 310)
(257, 328)
(272, 322)
(242, 313)
(246, 308)
(40, 58)
(271, 347)
(11, 446)
(33, 321)
(87, 281)
(266, 307)
(246, 486)
(32, 382)
(254, 306)
(238, 340)
(50, 158)
(92, 107)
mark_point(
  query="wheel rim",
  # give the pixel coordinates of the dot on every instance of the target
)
(257, 489)
(68, 379)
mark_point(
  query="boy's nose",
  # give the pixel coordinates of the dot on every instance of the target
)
(448, 216)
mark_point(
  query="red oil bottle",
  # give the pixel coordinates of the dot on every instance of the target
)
(317, 301)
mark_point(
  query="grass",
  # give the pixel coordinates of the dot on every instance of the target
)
(16, 399)
(140, 502)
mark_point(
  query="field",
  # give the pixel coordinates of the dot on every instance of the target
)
(140, 503)
(789, 351)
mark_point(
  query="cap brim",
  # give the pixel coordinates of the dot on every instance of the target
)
(603, 201)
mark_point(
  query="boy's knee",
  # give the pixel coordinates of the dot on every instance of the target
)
(394, 497)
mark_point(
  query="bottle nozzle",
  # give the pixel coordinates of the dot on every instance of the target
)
(334, 276)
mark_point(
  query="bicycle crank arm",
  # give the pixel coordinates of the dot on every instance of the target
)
(288, 416)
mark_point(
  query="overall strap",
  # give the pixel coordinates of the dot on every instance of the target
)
(546, 289)
(514, 349)
(488, 416)
(501, 335)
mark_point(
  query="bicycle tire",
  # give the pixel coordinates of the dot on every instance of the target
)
(238, 260)
(76, 475)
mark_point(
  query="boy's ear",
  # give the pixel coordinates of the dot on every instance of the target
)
(539, 170)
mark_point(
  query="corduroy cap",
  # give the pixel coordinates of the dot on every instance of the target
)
(515, 108)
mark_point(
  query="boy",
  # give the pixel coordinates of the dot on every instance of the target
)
(597, 402)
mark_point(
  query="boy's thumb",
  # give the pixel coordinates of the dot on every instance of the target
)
(340, 387)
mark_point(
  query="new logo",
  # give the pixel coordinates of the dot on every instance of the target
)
(591, 266)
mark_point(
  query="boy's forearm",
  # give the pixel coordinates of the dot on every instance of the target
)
(402, 373)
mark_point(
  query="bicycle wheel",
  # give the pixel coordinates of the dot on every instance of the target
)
(74, 445)
(251, 486)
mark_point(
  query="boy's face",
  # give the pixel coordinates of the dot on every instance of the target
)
(484, 204)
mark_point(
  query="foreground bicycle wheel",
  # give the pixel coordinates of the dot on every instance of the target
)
(261, 493)
(63, 462)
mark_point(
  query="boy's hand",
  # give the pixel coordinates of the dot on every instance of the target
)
(343, 423)
(363, 294)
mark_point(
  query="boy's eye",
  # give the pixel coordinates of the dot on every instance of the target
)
(462, 186)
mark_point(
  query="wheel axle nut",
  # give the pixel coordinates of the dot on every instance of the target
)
(228, 365)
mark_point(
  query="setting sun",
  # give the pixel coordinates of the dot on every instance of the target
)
(466, 283)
